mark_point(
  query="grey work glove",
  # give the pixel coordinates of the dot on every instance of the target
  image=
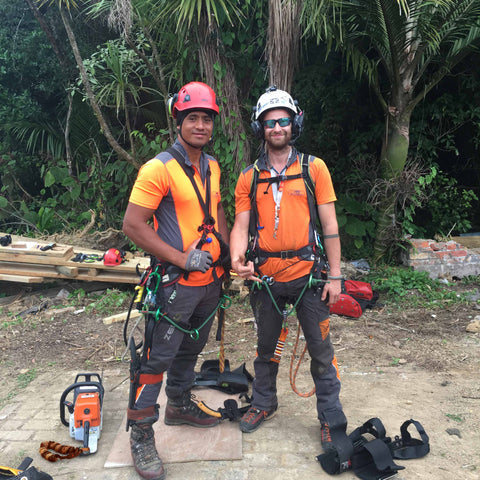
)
(200, 260)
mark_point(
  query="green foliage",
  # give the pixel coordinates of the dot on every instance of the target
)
(24, 379)
(150, 144)
(356, 226)
(471, 280)
(447, 210)
(111, 300)
(406, 288)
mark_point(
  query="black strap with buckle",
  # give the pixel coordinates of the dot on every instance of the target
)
(373, 459)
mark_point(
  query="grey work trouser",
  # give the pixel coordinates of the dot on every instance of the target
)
(172, 350)
(313, 315)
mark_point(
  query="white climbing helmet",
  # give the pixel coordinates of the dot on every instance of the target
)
(274, 98)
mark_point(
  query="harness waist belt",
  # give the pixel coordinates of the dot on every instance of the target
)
(285, 254)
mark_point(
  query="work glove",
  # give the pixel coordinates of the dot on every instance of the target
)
(200, 260)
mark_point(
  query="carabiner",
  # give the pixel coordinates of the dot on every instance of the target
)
(268, 280)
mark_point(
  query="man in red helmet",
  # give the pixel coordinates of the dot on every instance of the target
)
(180, 189)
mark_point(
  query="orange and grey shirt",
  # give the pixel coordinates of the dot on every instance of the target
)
(284, 220)
(163, 186)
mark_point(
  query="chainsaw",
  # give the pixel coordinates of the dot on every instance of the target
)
(85, 419)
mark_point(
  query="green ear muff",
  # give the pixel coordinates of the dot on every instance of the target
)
(172, 100)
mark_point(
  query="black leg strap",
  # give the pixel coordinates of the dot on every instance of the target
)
(371, 459)
(374, 461)
(406, 447)
(337, 459)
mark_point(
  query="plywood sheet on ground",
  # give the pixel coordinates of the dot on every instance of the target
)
(184, 443)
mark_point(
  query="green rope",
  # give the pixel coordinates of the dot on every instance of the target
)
(224, 302)
(312, 282)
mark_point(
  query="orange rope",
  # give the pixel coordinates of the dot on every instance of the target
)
(293, 375)
(221, 358)
(63, 452)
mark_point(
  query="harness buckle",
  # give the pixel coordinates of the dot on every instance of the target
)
(284, 254)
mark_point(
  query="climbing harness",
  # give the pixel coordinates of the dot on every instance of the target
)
(308, 252)
(149, 299)
(312, 282)
(371, 458)
(208, 225)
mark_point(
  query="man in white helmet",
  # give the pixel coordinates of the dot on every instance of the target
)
(284, 259)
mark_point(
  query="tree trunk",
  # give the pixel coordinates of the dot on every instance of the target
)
(226, 90)
(122, 153)
(48, 32)
(392, 162)
(283, 41)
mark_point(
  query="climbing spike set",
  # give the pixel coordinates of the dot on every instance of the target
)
(372, 459)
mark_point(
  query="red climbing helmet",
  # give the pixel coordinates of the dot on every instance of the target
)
(113, 256)
(193, 95)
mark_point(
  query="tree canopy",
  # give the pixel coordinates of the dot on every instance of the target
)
(389, 90)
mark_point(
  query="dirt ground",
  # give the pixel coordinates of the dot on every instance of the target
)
(430, 347)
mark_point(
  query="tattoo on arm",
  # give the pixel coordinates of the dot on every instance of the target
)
(335, 235)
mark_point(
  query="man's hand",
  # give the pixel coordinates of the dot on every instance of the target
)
(198, 260)
(333, 289)
(244, 269)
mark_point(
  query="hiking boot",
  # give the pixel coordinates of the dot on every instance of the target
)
(144, 453)
(253, 418)
(184, 411)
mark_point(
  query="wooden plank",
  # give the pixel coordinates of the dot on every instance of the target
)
(20, 278)
(49, 271)
(33, 248)
(129, 266)
(120, 317)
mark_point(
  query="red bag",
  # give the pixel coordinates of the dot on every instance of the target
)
(347, 305)
(356, 296)
(359, 289)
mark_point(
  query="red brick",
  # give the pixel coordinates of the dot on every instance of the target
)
(459, 253)
(437, 246)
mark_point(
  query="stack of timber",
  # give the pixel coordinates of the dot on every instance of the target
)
(23, 261)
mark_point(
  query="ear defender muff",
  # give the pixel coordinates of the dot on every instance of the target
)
(257, 127)
(172, 100)
(297, 123)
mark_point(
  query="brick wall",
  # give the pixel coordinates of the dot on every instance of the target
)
(442, 259)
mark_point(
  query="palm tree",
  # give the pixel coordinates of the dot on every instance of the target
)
(404, 48)
(283, 41)
(64, 7)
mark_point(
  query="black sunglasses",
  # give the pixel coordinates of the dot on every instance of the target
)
(283, 122)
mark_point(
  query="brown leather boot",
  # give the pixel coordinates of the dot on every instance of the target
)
(142, 443)
(184, 411)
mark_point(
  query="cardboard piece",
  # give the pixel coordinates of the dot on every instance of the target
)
(178, 444)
